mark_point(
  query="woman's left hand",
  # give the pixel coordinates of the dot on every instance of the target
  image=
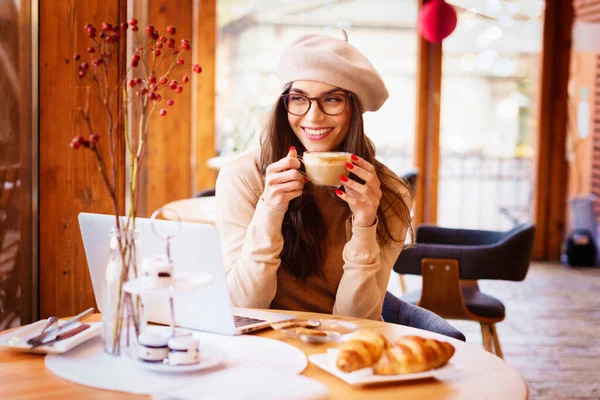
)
(363, 199)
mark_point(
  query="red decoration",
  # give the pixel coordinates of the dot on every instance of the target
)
(437, 20)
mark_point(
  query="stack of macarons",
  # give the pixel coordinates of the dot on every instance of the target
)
(176, 350)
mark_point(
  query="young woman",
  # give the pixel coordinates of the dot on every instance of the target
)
(288, 244)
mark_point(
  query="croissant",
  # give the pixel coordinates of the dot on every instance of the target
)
(363, 349)
(413, 354)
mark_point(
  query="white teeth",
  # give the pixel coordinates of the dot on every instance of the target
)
(317, 132)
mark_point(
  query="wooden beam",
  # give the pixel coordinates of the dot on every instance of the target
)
(27, 262)
(167, 175)
(551, 166)
(426, 153)
(203, 142)
(69, 180)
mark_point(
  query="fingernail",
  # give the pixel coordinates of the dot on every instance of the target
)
(354, 157)
(305, 180)
(343, 178)
(338, 192)
(349, 166)
(292, 148)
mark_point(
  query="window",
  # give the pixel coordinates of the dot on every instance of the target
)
(487, 124)
(252, 36)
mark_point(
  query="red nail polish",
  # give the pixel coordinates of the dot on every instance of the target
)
(338, 192)
(354, 157)
(292, 148)
(343, 178)
(305, 180)
(349, 166)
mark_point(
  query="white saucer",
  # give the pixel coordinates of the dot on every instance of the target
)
(210, 356)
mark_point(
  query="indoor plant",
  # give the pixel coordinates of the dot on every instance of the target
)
(128, 100)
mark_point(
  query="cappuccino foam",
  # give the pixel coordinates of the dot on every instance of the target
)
(325, 168)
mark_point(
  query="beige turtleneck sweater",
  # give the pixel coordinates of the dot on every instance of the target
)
(355, 272)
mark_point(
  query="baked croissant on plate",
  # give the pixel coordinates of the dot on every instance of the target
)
(363, 349)
(413, 354)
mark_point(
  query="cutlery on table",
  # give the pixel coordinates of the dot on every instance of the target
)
(308, 324)
(51, 321)
(63, 336)
(46, 333)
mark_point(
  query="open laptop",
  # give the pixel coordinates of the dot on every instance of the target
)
(195, 249)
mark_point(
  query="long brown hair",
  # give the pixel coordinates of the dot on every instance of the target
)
(304, 230)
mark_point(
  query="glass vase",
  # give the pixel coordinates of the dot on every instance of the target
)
(122, 313)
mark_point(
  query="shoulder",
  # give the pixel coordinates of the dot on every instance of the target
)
(242, 174)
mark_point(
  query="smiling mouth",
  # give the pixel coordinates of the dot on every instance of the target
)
(316, 134)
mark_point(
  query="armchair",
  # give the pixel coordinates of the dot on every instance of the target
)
(446, 258)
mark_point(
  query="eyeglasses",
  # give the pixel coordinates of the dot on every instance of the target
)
(331, 104)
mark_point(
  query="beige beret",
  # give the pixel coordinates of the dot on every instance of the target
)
(329, 60)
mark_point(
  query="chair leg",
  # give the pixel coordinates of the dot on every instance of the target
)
(497, 348)
(402, 283)
(486, 334)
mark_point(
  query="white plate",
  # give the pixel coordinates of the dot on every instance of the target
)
(181, 284)
(335, 330)
(210, 356)
(366, 376)
(17, 339)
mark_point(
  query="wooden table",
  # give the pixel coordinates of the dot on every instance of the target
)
(216, 163)
(482, 375)
(200, 210)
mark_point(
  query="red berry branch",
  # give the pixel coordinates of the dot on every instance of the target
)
(150, 86)
(147, 82)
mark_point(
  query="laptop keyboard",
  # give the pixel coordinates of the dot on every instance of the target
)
(244, 321)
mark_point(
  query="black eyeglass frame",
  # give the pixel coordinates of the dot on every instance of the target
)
(346, 95)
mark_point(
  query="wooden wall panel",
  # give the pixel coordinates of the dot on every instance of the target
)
(69, 180)
(204, 42)
(427, 152)
(551, 167)
(167, 175)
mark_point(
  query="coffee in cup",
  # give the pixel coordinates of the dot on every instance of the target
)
(324, 168)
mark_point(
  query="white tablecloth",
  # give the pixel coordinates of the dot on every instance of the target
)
(255, 367)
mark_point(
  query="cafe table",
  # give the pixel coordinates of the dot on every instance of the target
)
(201, 210)
(481, 375)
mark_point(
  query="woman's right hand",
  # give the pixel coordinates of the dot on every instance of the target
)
(283, 182)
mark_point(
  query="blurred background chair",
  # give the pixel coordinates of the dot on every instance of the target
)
(410, 177)
(446, 257)
(205, 193)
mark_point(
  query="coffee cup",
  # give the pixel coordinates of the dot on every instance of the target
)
(324, 168)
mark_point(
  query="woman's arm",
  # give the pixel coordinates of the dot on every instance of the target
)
(367, 267)
(251, 240)
(366, 274)
(250, 214)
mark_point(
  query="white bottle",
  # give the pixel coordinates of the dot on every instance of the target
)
(583, 114)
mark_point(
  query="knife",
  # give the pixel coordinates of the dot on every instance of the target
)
(37, 339)
(63, 336)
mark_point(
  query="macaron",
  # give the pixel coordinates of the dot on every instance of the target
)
(152, 347)
(157, 272)
(183, 350)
